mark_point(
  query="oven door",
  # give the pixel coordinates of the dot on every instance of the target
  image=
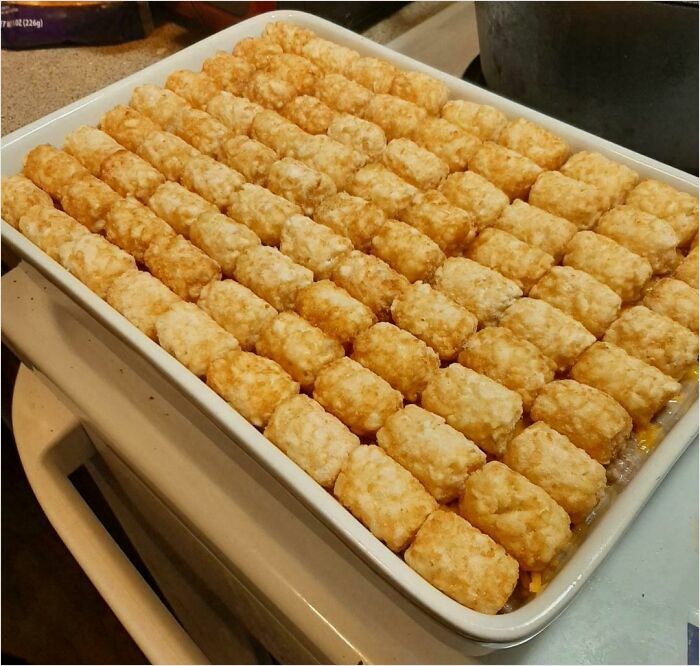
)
(234, 553)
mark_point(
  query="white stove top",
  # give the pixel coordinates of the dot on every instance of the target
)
(635, 608)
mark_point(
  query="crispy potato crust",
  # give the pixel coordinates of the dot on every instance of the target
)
(519, 515)
(314, 439)
(462, 562)
(251, 384)
(362, 400)
(385, 497)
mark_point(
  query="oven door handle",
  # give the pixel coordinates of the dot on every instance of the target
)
(51, 444)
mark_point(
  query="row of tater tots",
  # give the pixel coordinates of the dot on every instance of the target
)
(332, 193)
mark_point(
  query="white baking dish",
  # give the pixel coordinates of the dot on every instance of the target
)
(497, 631)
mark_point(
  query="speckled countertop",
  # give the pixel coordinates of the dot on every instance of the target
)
(38, 81)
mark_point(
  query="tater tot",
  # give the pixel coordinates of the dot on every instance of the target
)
(385, 497)
(481, 290)
(161, 105)
(512, 361)
(509, 171)
(52, 169)
(313, 245)
(574, 200)
(688, 269)
(95, 262)
(276, 132)
(237, 113)
(129, 127)
(314, 439)
(579, 295)
(612, 179)
(655, 339)
(249, 157)
(338, 161)
(462, 562)
(434, 318)
(212, 180)
(397, 117)
(237, 309)
(362, 400)
(680, 209)
(420, 89)
(473, 193)
(623, 271)
(406, 362)
(133, 227)
(377, 184)
(228, 72)
(351, 216)
(334, 311)
(369, 280)
(50, 229)
(141, 298)
(362, 135)
(129, 175)
(645, 235)
(330, 57)
(407, 250)
(591, 419)
(480, 408)
(452, 228)
(439, 456)
(414, 164)
(262, 211)
(178, 207)
(19, 194)
(291, 38)
(221, 238)
(373, 73)
(272, 276)
(535, 142)
(639, 387)
(301, 73)
(181, 266)
(518, 261)
(88, 200)
(299, 347)
(342, 94)
(499, 502)
(300, 184)
(481, 120)
(257, 50)
(195, 87)
(269, 91)
(568, 474)
(554, 333)
(675, 299)
(450, 143)
(311, 114)
(550, 233)
(90, 147)
(251, 384)
(167, 153)
(200, 130)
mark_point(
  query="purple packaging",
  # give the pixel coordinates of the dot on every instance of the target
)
(30, 24)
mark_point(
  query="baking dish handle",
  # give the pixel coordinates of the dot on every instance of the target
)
(51, 444)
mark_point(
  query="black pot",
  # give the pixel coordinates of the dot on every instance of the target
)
(626, 71)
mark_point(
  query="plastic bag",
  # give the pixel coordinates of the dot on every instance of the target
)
(30, 24)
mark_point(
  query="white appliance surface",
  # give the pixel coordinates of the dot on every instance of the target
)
(634, 608)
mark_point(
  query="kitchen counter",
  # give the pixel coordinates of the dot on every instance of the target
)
(36, 82)
(648, 584)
